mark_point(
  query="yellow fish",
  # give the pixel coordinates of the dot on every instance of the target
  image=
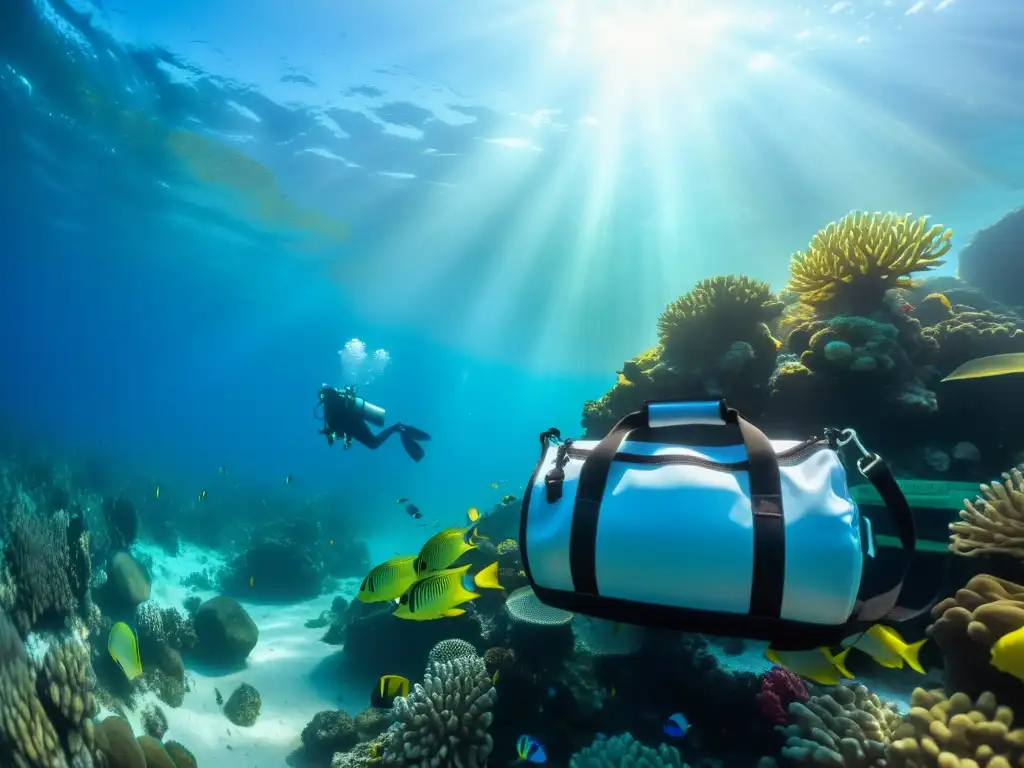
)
(494, 485)
(993, 365)
(818, 664)
(444, 548)
(473, 514)
(388, 688)
(388, 581)
(1008, 653)
(158, 493)
(884, 645)
(124, 649)
(440, 594)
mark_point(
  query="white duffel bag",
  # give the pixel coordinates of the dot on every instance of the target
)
(757, 538)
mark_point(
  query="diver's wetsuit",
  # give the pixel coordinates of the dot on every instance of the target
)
(343, 419)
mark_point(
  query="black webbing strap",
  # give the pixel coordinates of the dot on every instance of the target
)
(883, 607)
(769, 558)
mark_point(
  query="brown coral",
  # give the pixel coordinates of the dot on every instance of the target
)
(956, 732)
(968, 624)
(994, 522)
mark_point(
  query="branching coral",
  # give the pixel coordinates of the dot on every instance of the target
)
(47, 566)
(716, 313)
(956, 732)
(443, 723)
(994, 522)
(625, 752)
(850, 727)
(857, 259)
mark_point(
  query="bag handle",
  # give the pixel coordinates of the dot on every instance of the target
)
(769, 526)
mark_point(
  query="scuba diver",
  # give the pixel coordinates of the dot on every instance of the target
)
(345, 416)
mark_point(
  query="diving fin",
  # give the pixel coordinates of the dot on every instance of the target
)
(414, 449)
(415, 434)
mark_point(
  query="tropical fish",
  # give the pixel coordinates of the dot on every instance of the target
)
(402, 500)
(124, 650)
(438, 595)
(509, 498)
(287, 479)
(221, 469)
(202, 494)
(388, 581)
(530, 750)
(388, 688)
(817, 664)
(445, 547)
(473, 514)
(494, 485)
(906, 308)
(413, 511)
(884, 645)
(252, 581)
(676, 726)
(1008, 653)
(157, 494)
(993, 365)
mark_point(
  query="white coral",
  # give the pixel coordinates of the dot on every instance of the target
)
(443, 723)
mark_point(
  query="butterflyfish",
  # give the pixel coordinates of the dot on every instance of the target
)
(440, 594)
(388, 581)
(992, 365)
(1008, 653)
(388, 688)
(473, 514)
(817, 664)
(444, 548)
(530, 750)
(884, 645)
(124, 650)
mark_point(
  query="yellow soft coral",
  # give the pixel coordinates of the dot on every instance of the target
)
(866, 253)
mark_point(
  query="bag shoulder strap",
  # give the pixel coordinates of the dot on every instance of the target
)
(883, 607)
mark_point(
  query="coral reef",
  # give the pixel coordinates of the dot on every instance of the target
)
(779, 689)
(45, 714)
(443, 723)
(851, 263)
(45, 569)
(849, 727)
(994, 522)
(968, 334)
(956, 732)
(328, 732)
(966, 627)
(243, 706)
(625, 752)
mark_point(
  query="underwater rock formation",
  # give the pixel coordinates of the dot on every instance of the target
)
(243, 706)
(328, 732)
(225, 633)
(992, 260)
(443, 723)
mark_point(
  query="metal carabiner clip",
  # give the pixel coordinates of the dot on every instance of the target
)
(867, 460)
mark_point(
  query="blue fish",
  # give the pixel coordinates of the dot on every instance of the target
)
(676, 726)
(531, 750)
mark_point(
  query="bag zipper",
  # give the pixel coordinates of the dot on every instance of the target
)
(789, 456)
